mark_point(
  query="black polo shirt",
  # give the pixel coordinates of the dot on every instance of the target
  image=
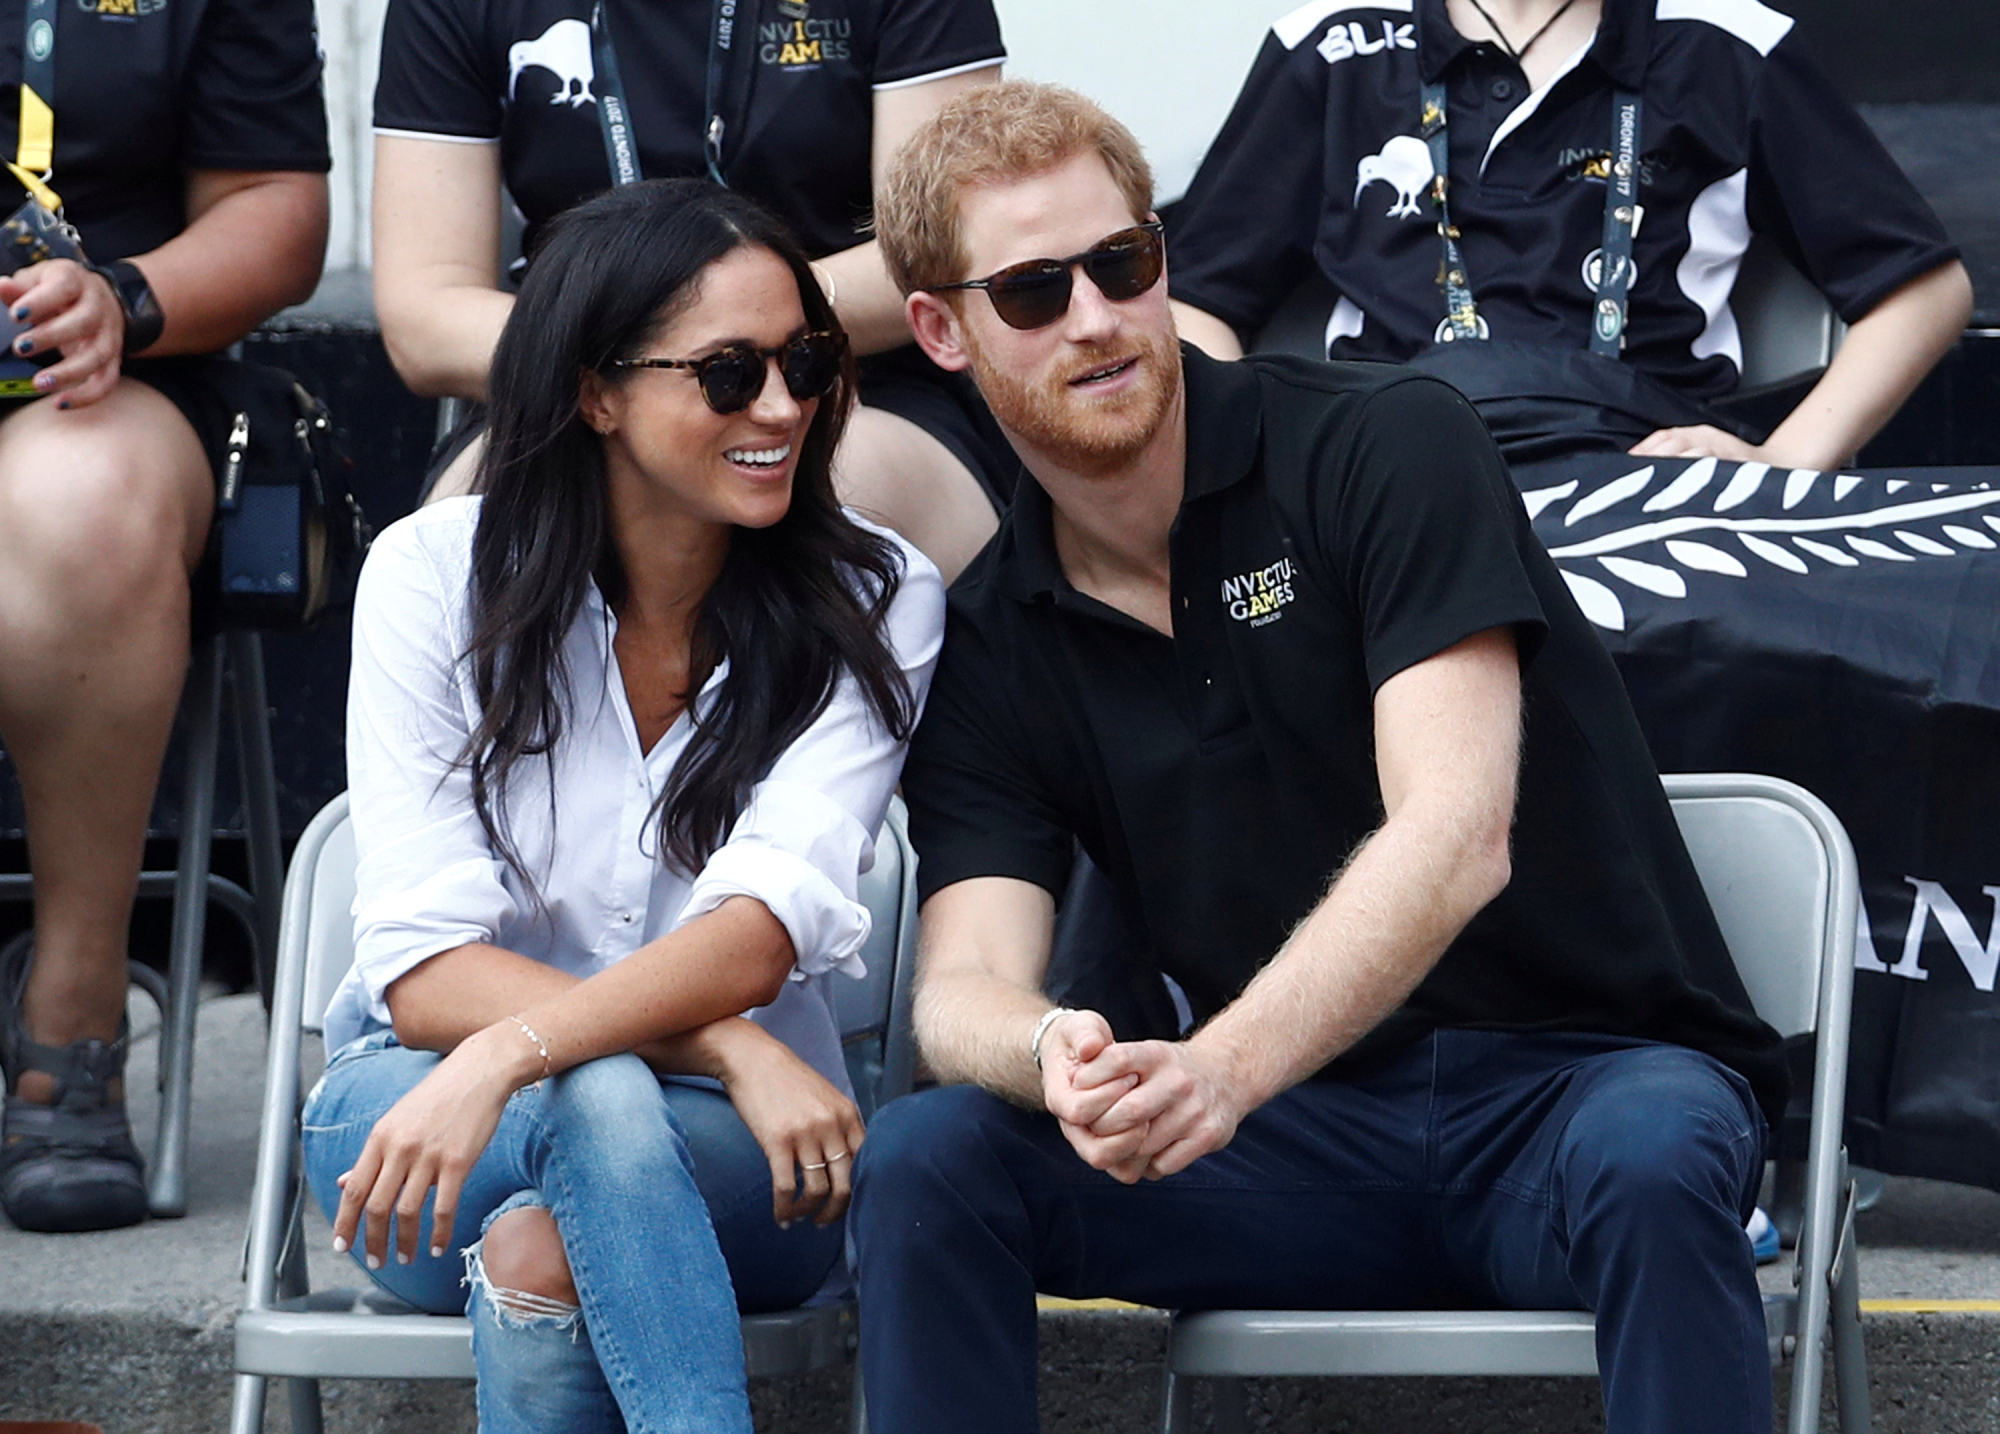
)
(1340, 523)
(1320, 164)
(147, 90)
(798, 96)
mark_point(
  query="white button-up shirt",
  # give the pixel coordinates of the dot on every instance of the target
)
(428, 880)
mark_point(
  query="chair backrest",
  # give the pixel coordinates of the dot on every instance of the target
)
(873, 1012)
(323, 925)
(1787, 328)
(1773, 869)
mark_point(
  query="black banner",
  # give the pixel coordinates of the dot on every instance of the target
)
(1842, 631)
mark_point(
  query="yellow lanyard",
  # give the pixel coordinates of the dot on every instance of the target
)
(36, 156)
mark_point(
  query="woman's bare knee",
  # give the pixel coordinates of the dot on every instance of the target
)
(111, 493)
(523, 1251)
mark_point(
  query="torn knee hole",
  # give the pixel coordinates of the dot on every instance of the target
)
(518, 1308)
(522, 1250)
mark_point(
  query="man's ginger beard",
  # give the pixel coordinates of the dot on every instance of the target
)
(1092, 436)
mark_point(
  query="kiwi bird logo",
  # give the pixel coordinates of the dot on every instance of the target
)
(564, 51)
(1405, 165)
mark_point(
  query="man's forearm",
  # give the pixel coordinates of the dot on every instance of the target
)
(1389, 915)
(974, 1028)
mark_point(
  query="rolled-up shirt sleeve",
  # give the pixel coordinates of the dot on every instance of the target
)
(808, 831)
(427, 879)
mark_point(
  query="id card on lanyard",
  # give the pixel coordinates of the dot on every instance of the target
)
(1621, 215)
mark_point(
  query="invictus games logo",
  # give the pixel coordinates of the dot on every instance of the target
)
(799, 42)
(107, 10)
(1259, 596)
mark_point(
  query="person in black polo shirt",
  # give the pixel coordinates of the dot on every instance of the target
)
(190, 153)
(1328, 161)
(1274, 642)
(797, 103)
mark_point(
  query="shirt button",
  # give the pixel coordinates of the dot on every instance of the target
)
(1502, 89)
(1207, 681)
(626, 917)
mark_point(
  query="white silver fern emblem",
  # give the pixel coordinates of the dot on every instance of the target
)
(1732, 519)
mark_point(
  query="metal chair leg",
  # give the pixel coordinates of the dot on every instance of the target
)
(166, 1190)
(857, 1404)
(1177, 1409)
(1850, 1354)
(1232, 1406)
(246, 1407)
(303, 1397)
(252, 722)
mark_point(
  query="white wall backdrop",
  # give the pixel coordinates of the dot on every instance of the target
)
(1168, 69)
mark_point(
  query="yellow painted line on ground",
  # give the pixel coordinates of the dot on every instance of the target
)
(1056, 1302)
(1930, 1306)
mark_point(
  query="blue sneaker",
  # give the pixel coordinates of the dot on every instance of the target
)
(1763, 1236)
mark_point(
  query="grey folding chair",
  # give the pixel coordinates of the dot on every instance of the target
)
(238, 652)
(1781, 876)
(286, 1330)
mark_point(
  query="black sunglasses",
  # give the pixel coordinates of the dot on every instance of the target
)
(1036, 292)
(731, 378)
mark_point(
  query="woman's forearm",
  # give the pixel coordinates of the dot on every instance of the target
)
(1881, 361)
(655, 1002)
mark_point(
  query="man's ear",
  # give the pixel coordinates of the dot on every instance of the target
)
(936, 326)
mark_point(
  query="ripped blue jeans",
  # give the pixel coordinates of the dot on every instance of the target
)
(663, 1199)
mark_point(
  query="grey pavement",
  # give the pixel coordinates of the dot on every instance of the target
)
(130, 1329)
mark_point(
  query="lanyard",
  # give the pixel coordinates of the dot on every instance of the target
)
(1621, 213)
(36, 156)
(614, 119)
(718, 66)
(614, 116)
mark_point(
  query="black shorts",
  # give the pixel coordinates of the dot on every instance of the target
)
(903, 382)
(188, 383)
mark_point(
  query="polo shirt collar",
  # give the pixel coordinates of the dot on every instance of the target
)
(1624, 39)
(1225, 420)
(1224, 426)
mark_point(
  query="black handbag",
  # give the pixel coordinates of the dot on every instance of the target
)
(289, 533)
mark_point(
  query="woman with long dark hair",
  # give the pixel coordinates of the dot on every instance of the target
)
(620, 733)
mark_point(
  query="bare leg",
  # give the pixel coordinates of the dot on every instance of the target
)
(103, 513)
(893, 472)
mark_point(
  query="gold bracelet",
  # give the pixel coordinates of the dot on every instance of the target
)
(540, 1045)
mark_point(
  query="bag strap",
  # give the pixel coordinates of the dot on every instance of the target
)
(35, 156)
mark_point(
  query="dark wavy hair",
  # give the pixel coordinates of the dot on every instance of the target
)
(796, 605)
